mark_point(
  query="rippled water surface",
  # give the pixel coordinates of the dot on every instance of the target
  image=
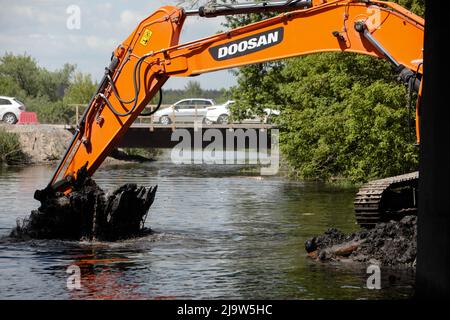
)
(219, 233)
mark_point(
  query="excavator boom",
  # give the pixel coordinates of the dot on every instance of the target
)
(151, 54)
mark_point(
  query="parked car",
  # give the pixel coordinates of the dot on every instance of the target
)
(219, 114)
(10, 109)
(271, 114)
(186, 110)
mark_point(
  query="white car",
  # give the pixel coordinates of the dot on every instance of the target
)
(10, 109)
(186, 110)
(220, 114)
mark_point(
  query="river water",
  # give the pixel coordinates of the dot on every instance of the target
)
(219, 233)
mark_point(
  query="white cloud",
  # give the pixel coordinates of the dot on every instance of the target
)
(21, 11)
(39, 29)
(129, 19)
(95, 42)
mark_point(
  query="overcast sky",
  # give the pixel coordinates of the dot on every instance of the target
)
(39, 28)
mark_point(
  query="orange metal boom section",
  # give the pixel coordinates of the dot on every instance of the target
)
(324, 27)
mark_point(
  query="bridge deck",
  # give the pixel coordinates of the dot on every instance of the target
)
(203, 126)
(154, 135)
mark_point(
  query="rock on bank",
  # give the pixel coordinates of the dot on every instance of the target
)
(41, 143)
(390, 244)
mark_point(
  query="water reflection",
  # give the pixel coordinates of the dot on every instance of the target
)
(220, 232)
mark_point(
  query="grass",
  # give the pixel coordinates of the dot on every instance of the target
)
(147, 153)
(10, 150)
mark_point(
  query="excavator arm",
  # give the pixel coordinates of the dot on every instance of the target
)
(151, 54)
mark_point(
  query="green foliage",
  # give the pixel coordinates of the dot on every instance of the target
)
(48, 93)
(10, 151)
(80, 90)
(41, 90)
(147, 153)
(193, 89)
(342, 123)
(21, 76)
(51, 111)
(343, 115)
(416, 6)
(52, 94)
(20, 73)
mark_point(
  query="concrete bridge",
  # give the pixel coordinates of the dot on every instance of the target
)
(145, 135)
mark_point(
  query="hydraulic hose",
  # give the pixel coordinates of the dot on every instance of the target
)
(157, 107)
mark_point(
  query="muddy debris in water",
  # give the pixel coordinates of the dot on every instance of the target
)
(390, 244)
(88, 213)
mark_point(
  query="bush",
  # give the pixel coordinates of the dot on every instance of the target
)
(53, 112)
(10, 150)
(48, 93)
(343, 123)
(343, 115)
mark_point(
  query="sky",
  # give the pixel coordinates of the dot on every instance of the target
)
(40, 29)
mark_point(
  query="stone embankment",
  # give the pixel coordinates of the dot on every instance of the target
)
(44, 144)
(41, 143)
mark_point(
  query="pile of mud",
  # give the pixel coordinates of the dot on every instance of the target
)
(390, 244)
(87, 213)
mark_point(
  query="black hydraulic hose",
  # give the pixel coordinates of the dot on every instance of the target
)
(405, 74)
(137, 89)
(103, 83)
(413, 86)
(157, 107)
(409, 77)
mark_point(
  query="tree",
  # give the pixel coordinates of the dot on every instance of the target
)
(80, 90)
(343, 115)
(343, 123)
(53, 84)
(41, 90)
(19, 73)
(193, 89)
(21, 76)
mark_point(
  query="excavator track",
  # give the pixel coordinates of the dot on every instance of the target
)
(386, 199)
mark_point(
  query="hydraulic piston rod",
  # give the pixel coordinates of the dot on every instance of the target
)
(405, 74)
(210, 11)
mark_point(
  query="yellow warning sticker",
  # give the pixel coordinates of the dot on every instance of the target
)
(146, 37)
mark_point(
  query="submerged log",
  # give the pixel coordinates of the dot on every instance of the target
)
(345, 249)
(88, 213)
(392, 244)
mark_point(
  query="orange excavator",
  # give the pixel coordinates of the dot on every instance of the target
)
(151, 54)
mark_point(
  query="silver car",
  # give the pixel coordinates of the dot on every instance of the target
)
(10, 109)
(186, 110)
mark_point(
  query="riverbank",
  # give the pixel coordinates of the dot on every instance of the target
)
(391, 244)
(39, 144)
(46, 144)
(10, 151)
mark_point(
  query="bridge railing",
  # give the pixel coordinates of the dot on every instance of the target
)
(150, 120)
(175, 121)
(80, 108)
